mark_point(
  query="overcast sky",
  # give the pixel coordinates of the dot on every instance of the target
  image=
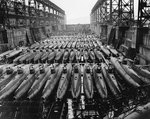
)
(77, 11)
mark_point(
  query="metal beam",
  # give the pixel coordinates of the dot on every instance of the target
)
(143, 13)
(115, 12)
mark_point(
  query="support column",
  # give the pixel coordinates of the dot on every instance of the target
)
(110, 15)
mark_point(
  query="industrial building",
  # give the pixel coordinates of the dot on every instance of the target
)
(53, 70)
(124, 23)
(28, 21)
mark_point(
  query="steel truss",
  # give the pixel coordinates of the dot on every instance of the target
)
(126, 12)
(114, 12)
(144, 13)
